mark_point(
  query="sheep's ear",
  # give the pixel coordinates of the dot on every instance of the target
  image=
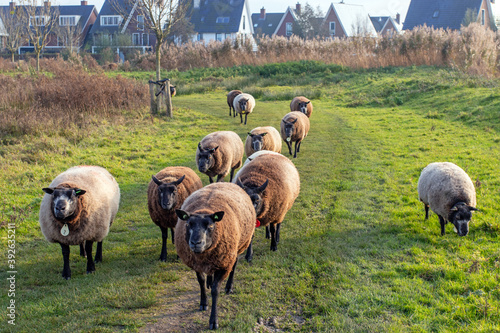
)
(178, 181)
(473, 208)
(199, 146)
(156, 180)
(48, 190)
(454, 209)
(261, 188)
(79, 192)
(263, 134)
(293, 122)
(182, 214)
(308, 102)
(216, 217)
(250, 134)
(213, 150)
(239, 183)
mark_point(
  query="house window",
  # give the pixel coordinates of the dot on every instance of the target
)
(65, 21)
(289, 27)
(221, 19)
(140, 22)
(62, 40)
(145, 40)
(228, 36)
(136, 39)
(332, 28)
(219, 37)
(38, 20)
(482, 17)
(200, 37)
(436, 14)
(111, 20)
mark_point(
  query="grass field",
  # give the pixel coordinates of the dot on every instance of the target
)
(355, 254)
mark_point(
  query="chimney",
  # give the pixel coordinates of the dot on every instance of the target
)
(262, 13)
(84, 2)
(196, 4)
(398, 18)
(46, 4)
(297, 8)
(12, 6)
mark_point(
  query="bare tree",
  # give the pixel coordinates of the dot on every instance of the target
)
(309, 22)
(14, 29)
(39, 22)
(69, 35)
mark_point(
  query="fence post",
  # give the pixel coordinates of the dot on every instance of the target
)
(168, 99)
(152, 93)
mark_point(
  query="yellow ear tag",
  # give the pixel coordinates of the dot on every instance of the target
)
(65, 230)
(288, 139)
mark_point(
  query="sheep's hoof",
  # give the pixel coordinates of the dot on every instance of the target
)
(203, 308)
(214, 326)
(97, 259)
(229, 291)
(66, 277)
(274, 248)
(249, 259)
(163, 259)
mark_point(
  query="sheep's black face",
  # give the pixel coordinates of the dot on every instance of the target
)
(167, 192)
(460, 216)
(243, 104)
(255, 194)
(199, 229)
(289, 129)
(206, 158)
(64, 201)
(257, 141)
(303, 107)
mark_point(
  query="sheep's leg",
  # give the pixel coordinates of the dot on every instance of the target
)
(241, 117)
(231, 175)
(172, 233)
(210, 279)
(90, 261)
(289, 147)
(82, 250)
(214, 322)
(229, 111)
(210, 179)
(278, 228)
(246, 115)
(295, 152)
(229, 284)
(426, 207)
(66, 273)
(249, 255)
(234, 112)
(220, 178)
(443, 223)
(268, 234)
(203, 291)
(298, 146)
(274, 244)
(164, 237)
(98, 252)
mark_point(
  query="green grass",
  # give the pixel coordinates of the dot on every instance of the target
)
(355, 252)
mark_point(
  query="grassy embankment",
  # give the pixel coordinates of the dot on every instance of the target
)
(355, 252)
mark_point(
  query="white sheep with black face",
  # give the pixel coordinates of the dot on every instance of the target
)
(78, 208)
(450, 193)
(244, 104)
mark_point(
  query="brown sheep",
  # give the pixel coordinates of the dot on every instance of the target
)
(230, 99)
(273, 183)
(244, 104)
(218, 154)
(302, 104)
(166, 192)
(294, 128)
(263, 138)
(216, 224)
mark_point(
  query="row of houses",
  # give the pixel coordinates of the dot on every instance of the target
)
(232, 19)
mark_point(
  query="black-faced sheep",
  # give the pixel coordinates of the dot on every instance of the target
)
(230, 100)
(450, 193)
(294, 128)
(78, 207)
(216, 224)
(173, 91)
(272, 182)
(302, 104)
(219, 153)
(263, 138)
(244, 104)
(166, 192)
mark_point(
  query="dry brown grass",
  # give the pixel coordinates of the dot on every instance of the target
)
(67, 99)
(474, 49)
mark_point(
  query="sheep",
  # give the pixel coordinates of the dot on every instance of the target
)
(255, 155)
(263, 138)
(450, 193)
(216, 224)
(173, 91)
(272, 182)
(244, 104)
(167, 191)
(219, 153)
(294, 128)
(230, 99)
(78, 207)
(302, 104)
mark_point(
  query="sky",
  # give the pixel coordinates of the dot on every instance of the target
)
(373, 7)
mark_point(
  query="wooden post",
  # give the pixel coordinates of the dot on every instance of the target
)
(168, 99)
(152, 93)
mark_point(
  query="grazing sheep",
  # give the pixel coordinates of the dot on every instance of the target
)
(302, 104)
(263, 138)
(230, 100)
(450, 193)
(166, 192)
(216, 224)
(294, 128)
(272, 183)
(244, 104)
(78, 207)
(219, 153)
